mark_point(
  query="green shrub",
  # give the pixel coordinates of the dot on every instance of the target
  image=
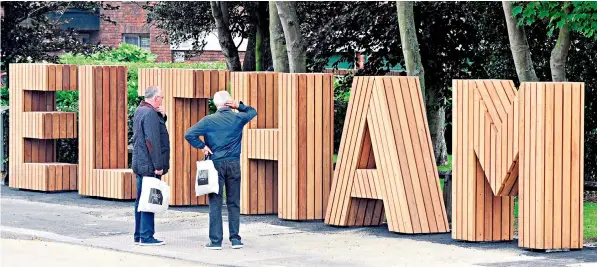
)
(342, 87)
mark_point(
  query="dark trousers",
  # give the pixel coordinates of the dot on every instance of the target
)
(228, 175)
(144, 221)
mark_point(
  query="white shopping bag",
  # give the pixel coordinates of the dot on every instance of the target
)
(206, 178)
(155, 195)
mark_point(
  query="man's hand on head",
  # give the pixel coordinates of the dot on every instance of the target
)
(233, 104)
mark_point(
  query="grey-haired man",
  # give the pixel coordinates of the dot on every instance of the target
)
(223, 132)
(151, 157)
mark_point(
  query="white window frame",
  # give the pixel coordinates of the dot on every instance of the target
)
(138, 37)
(178, 56)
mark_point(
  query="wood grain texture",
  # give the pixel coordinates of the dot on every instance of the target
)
(385, 165)
(260, 140)
(35, 125)
(292, 129)
(305, 154)
(103, 161)
(525, 143)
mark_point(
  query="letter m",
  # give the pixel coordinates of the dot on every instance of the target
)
(526, 143)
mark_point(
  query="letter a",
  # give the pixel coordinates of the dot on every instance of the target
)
(385, 163)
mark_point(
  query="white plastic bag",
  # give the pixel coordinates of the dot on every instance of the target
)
(155, 195)
(206, 178)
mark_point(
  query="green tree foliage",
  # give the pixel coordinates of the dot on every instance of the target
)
(581, 16)
(30, 34)
(193, 21)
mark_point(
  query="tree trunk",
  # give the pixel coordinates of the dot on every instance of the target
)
(277, 41)
(414, 67)
(249, 61)
(519, 47)
(219, 10)
(559, 55)
(437, 126)
(297, 54)
(410, 44)
(261, 36)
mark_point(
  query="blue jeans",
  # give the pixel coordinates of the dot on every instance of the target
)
(229, 175)
(144, 221)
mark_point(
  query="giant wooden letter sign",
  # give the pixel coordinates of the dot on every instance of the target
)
(186, 92)
(287, 149)
(259, 182)
(35, 125)
(306, 145)
(386, 163)
(103, 160)
(528, 143)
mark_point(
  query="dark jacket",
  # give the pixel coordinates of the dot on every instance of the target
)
(151, 144)
(223, 132)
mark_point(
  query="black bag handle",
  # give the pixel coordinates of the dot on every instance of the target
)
(207, 157)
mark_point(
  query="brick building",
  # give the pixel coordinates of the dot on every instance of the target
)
(132, 27)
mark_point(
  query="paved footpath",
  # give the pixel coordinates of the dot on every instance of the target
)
(103, 227)
(36, 253)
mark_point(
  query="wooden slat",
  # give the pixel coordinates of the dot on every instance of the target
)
(581, 87)
(122, 115)
(338, 185)
(537, 137)
(195, 109)
(98, 89)
(32, 105)
(566, 167)
(187, 181)
(106, 108)
(390, 105)
(328, 139)
(548, 165)
(74, 79)
(102, 82)
(401, 195)
(384, 89)
(113, 119)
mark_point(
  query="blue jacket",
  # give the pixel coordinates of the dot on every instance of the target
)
(223, 132)
(151, 144)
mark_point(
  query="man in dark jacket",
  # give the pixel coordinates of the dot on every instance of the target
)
(223, 134)
(151, 156)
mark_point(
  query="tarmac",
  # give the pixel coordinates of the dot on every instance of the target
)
(66, 229)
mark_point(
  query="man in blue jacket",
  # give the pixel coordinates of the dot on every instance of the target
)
(223, 132)
(151, 157)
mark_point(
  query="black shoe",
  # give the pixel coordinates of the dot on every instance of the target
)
(213, 246)
(151, 242)
(236, 243)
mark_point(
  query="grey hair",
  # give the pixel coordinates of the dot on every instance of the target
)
(151, 91)
(220, 98)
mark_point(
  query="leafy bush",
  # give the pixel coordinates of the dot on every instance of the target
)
(124, 53)
(4, 96)
(590, 156)
(342, 87)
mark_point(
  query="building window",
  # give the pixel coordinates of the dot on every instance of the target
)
(83, 37)
(178, 56)
(140, 40)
